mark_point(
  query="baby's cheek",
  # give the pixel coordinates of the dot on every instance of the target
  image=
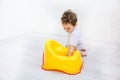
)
(70, 30)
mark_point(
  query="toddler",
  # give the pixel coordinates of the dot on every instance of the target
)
(69, 22)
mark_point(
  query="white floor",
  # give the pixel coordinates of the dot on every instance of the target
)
(21, 59)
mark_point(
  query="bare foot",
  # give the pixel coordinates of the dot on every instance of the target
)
(83, 54)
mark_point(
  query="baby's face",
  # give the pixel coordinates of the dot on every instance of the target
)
(68, 27)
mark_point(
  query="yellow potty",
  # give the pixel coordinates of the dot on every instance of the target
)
(54, 58)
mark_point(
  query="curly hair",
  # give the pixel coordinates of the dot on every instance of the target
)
(69, 17)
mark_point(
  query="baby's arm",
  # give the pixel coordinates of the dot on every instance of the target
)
(71, 49)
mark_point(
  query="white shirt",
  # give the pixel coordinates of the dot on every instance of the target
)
(74, 38)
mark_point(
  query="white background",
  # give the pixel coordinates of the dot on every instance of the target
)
(25, 25)
(98, 19)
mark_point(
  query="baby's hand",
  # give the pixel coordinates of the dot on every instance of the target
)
(67, 46)
(69, 54)
(71, 49)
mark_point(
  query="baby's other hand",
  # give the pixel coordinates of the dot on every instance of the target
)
(69, 55)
